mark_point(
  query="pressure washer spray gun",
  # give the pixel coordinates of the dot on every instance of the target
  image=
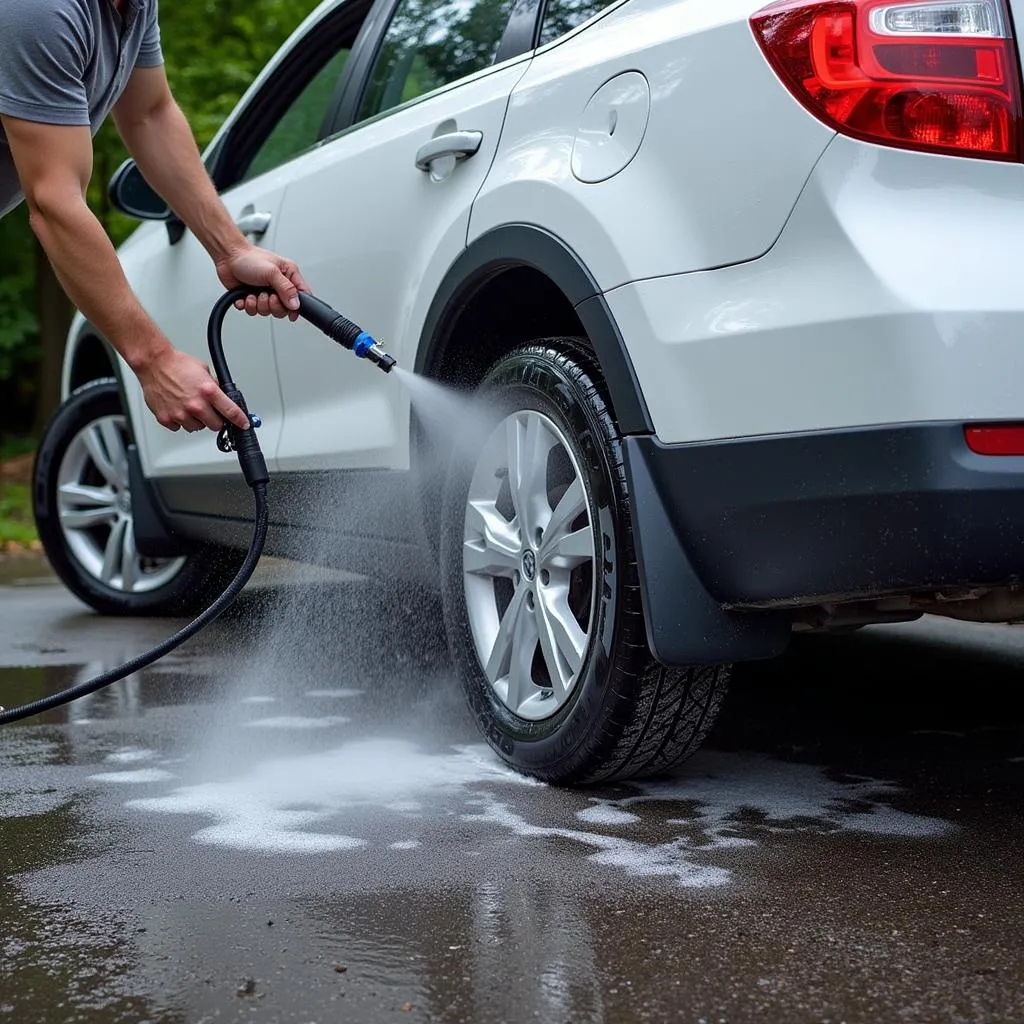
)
(334, 324)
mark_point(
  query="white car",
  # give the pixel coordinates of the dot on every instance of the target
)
(741, 285)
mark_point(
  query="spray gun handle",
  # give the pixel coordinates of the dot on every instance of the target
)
(334, 324)
(245, 443)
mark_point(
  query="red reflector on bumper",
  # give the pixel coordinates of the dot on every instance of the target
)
(1005, 439)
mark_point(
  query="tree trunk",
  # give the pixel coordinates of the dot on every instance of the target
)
(55, 312)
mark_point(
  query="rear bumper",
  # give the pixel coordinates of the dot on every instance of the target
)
(804, 518)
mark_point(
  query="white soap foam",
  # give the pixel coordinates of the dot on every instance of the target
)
(273, 807)
(725, 802)
(297, 722)
(731, 788)
(130, 755)
(138, 776)
(669, 859)
(404, 806)
(405, 844)
(331, 694)
(258, 699)
(603, 813)
(727, 792)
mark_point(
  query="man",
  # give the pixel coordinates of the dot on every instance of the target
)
(64, 65)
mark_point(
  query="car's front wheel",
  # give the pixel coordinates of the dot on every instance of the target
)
(541, 589)
(83, 508)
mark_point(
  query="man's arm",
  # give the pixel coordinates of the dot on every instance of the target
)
(159, 138)
(54, 164)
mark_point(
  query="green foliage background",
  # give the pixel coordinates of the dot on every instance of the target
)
(213, 49)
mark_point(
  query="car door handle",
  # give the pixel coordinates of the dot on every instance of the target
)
(461, 145)
(254, 223)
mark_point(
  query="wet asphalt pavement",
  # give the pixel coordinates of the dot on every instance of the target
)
(293, 820)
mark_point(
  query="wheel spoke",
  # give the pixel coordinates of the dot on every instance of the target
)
(558, 670)
(84, 496)
(528, 444)
(114, 443)
(520, 669)
(568, 638)
(129, 558)
(496, 549)
(570, 548)
(98, 453)
(86, 518)
(501, 650)
(113, 553)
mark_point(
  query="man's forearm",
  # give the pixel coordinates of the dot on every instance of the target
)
(87, 265)
(163, 146)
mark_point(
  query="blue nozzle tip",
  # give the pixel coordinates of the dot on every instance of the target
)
(363, 344)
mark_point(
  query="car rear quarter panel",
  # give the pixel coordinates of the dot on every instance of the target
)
(724, 156)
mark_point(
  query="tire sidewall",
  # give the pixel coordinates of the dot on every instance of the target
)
(533, 379)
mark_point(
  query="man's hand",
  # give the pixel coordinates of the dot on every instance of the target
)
(255, 266)
(180, 392)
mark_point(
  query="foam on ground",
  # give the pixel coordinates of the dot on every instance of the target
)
(138, 776)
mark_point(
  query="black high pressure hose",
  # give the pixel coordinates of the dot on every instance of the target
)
(254, 468)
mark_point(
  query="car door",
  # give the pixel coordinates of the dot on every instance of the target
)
(285, 116)
(379, 212)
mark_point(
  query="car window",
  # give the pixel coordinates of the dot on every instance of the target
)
(561, 16)
(299, 126)
(430, 43)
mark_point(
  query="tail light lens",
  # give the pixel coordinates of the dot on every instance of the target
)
(937, 76)
(997, 439)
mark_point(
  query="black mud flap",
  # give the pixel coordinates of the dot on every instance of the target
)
(154, 538)
(685, 624)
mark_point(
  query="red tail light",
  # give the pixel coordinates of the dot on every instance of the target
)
(936, 75)
(998, 439)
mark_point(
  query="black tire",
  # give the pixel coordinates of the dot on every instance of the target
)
(203, 573)
(626, 715)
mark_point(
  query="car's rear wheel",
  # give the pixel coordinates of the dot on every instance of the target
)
(541, 589)
(83, 508)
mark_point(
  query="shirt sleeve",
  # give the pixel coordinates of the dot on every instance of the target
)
(150, 53)
(42, 63)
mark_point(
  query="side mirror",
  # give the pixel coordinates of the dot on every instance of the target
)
(131, 194)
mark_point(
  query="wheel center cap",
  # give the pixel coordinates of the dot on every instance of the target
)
(529, 565)
(124, 502)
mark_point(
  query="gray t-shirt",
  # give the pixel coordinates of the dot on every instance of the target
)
(67, 62)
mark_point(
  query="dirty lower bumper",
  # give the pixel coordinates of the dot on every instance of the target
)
(838, 514)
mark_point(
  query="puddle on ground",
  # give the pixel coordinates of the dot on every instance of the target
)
(162, 685)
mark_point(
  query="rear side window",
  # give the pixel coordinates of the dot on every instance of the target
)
(431, 43)
(299, 127)
(561, 16)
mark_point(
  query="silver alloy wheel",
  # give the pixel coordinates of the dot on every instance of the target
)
(94, 506)
(528, 565)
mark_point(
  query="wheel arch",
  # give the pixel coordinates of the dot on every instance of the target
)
(89, 358)
(568, 301)
(462, 337)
